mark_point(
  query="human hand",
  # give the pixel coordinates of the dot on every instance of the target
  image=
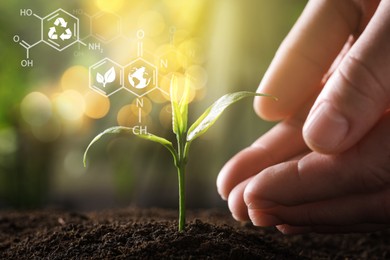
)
(327, 170)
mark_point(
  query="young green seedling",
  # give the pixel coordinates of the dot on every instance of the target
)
(184, 136)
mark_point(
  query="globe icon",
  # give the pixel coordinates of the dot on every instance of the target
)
(138, 78)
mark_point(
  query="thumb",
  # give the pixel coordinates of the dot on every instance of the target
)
(357, 94)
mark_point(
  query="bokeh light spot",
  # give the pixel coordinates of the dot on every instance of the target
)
(129, 116)
(76, 77)
(158, 97)
(36, 108)
(198, 76)
(166, 117)
(193, 50)
(70, 105)
(142, 103)
(169, 59)
(126, 116)
(96, 105)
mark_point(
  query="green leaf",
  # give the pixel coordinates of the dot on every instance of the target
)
(176, 118)
(129, 130)
(111, 130)
(208, 118)
(164, 142)
(183, 105)
(179, 108)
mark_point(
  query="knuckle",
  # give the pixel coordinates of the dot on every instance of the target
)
(363, 84)
(255, 192)
(251, 196)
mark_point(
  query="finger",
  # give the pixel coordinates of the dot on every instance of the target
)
(357, 94)
(267, 150)
(236, 202)
(364, 168)
(305, 56)
(292, 230)
(336, 63)
(372, 208)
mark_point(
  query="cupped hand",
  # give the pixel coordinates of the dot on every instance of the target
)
(326, 166)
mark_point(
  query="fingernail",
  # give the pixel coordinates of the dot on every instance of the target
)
(263, 220)
(261, 204)
(293, 230)
(219, 189)
(221, 194)
(325, 128)
(235, 217)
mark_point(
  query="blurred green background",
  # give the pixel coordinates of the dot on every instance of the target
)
(48, 113)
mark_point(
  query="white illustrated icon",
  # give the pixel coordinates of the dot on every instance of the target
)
(108, 77)
(137, 78)
(61, 23)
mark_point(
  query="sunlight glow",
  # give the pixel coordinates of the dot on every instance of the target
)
(152, 23)
(110, 5)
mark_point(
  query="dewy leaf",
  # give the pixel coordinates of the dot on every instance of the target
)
(208, 118)
(109, 76)
(128, 130)
(99, 78)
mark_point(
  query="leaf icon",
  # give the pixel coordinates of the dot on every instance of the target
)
(99, 78)
(109, 76)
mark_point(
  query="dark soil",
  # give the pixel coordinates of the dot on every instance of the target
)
(134, 233)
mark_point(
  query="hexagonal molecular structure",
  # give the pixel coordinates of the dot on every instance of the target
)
(106, 26)
(106, 77)
(60, 29)
(140, 77)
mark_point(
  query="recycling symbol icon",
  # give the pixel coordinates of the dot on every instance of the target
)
(60, 24)
(60, 29)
